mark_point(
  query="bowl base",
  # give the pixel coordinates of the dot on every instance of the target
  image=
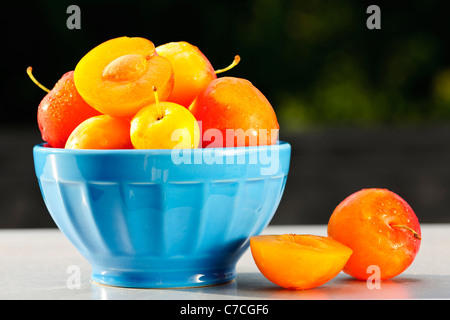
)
(166, 279)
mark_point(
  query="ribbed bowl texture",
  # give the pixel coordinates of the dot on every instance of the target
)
(162, 218)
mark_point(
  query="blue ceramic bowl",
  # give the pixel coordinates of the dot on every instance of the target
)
(162, 218)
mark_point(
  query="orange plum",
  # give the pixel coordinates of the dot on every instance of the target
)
(101, 132)
(61, 110)
(192, 70)
(298, 262)
(381, 229)
(116, 77)
(234, 113)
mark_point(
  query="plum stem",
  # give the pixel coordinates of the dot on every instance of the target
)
(416, 235)
(30, 74)
(158, 109)
(235, 62)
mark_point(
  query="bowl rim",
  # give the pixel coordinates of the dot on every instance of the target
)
(280, 145)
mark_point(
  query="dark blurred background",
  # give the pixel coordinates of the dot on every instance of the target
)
(361, 108)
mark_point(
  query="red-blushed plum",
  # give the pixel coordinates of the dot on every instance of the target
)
(232, 112)
(61, 111)
(381, 229)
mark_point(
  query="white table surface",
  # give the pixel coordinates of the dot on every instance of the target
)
(37, 264)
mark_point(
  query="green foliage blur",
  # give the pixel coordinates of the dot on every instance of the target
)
(330, 70)
(315, 60)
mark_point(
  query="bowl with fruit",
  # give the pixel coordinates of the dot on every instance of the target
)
(157, 170)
